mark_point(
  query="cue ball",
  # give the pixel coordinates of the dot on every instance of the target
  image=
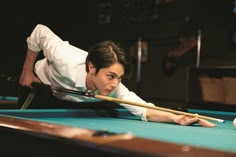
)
(234, 122)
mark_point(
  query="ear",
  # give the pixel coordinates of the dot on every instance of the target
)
(91, 68)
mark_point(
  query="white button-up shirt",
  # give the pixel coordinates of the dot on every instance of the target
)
(64, 66)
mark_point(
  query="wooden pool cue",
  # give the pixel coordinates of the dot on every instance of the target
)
(107, 98)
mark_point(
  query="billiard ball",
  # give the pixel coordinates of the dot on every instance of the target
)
(234, 122)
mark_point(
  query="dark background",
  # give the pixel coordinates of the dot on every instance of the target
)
(163, 24)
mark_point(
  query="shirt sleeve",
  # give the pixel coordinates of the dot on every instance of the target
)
(123, 92)
(43, 39)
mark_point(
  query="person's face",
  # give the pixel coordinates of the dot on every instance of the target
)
(107, 79)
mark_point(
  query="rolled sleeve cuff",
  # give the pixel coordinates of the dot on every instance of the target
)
(144, 115)
(32, 47)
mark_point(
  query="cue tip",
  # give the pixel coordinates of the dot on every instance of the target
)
(221, 120)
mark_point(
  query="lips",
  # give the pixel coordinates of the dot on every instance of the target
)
(107, 92)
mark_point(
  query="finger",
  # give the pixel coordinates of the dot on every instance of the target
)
(190, 121)
(37, 80)
(29, 85)
(26, 84)
(206, 123)
(185, 120)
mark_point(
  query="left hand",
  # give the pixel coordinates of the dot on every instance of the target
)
(186, 120)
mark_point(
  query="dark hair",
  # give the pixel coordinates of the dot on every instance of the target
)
(104, 54)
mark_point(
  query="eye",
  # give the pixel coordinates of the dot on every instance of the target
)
(110, 76)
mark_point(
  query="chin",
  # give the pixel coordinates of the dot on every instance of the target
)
(105, 93)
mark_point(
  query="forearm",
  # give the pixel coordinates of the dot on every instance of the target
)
(30, 59)
(27, 75)
(160, 116)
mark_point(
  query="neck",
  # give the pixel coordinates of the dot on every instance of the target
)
(89, 82)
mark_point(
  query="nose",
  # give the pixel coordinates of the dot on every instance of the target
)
(115, 83)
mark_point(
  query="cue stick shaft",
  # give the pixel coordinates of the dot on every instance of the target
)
(107, 98)
(29, 99)
(155, 107)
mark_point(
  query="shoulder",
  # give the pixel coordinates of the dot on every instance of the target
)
(120, 90)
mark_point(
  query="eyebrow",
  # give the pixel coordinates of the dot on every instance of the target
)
(115, 74)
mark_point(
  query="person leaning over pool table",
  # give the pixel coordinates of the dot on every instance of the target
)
(100, 70)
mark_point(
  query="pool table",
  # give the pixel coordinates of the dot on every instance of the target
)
(110, 132)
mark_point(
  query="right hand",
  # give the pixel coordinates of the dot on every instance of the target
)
(27, 78)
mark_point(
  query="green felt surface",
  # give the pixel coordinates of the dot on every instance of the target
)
(222, 137)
